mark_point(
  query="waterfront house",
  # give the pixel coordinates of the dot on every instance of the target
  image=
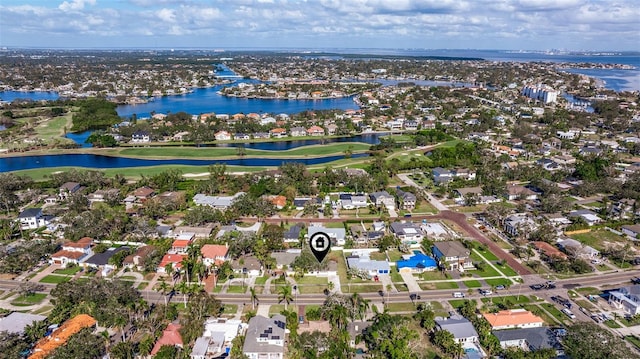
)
(261, 135)
(140, 137)
(143, 193)
(241, 136)
(278, 132)
(315, 131)
(222, 136)
(298, 131)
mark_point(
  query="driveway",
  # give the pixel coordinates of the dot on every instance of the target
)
(410, 281)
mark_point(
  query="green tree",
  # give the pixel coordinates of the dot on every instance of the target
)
(285, 294)
(586, 340)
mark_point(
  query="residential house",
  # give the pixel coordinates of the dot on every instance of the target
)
(453, 255)
(32, 218)
(631, 230)
(529, 339)
(548, 250)
(356, 330)
(407, 232)
(363, 262)
(138, 258)
(175, 260)
(590, 217)
(16, 322)
(298, 131)
(59, 337)
(332, 129)
(315, 131)
(68, 189)
(461, 328)
(383, 198)
(407, 200)
(514, 318)
(140, 137)
(265, 337)
(352, 201)
(222, 136)
(463, 193)
(278, 132)
(241, 136)
(627, 299)
(261, 135)
(143, 193)
(102, 195)
(578, 250)
(182, 242)
(411, 125)
(337, 235)
(286, 258)
(216, 202)
(416, 263)
(73, 252)
(201, 232)
(515, 192)
(292, 235)
(250, 266)
(214, 254)
(217, 337)
(519, 223)
(170, 336)
(465, 174)
(441, 175)
(101, 260)
(279, 201)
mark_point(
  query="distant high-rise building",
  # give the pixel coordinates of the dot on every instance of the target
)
(540, 92)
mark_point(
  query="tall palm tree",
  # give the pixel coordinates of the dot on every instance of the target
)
(254, 298)
(285, 295)
(339, 316)
(183, 288)
(363, 308)
(164, 289)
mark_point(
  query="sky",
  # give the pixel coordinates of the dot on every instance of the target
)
(323, 24)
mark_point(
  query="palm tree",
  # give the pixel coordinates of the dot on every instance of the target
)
(164, 289)
(254, 298)
(183, 288)
(285, 295)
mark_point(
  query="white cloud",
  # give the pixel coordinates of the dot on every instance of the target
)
(75, 5)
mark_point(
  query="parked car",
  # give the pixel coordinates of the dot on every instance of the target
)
(500, 287)
(458, 295)
(486, 292)
(568, 313)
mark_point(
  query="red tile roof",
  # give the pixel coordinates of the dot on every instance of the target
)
(170, 336)
(214, 250)
(68, 254)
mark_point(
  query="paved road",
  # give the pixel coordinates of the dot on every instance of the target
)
(401, 297)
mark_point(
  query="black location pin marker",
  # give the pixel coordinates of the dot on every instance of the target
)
(320, 245)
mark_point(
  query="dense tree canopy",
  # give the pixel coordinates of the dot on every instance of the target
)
(94, 113)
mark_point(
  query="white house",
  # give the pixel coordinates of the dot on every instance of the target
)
(265, 337)
(32, 218)
(337, 235)
(222, 136)
(627, 299)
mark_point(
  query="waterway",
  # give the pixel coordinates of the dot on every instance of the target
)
(103, 162)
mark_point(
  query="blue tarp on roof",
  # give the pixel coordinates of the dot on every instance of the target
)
(418, 260)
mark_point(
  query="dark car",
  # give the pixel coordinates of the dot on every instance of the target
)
(537, 286)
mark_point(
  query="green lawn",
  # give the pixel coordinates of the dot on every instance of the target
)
(44, 310)
(446, 285)
(599, 239)
(68, 271)
(506, 270)
(487, 254)
(498, 281)
(457, 303)
(221, 152)
(55, 279)
(588, 291)
(230, 308)
(237, 289)
(472, 283)
(361, 288)
(277, 308)
(487, 271)
(312, 285)
(401, 307)
(612, 324)
(555, 312)
(516, 299)
(633, 340)
(54, 128)
(542, 314)
(434, 275)
(24, 301)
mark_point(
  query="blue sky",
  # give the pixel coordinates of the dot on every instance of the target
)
(311, 24)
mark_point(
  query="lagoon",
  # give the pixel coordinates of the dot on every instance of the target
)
(102, 162)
